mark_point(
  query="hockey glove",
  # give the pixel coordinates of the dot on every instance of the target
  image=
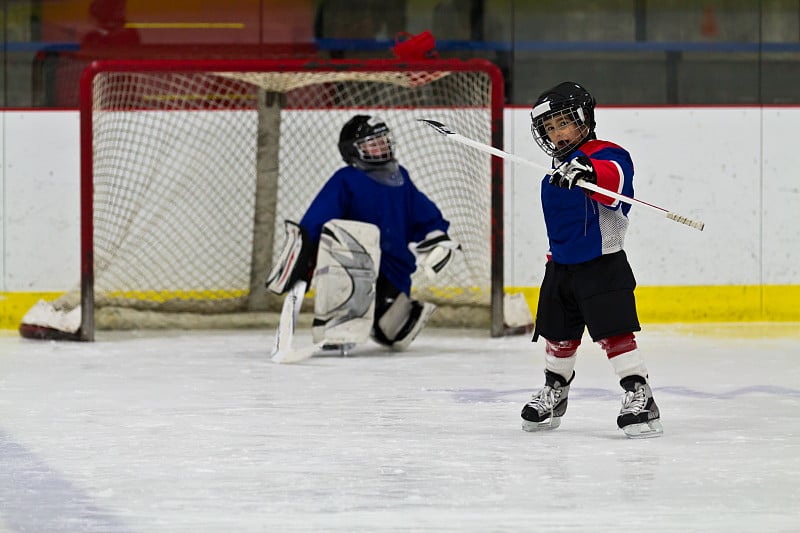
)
(568, 174)
(434, 252)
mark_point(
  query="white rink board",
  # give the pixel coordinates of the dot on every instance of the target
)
(701, 163)
(705, 163)
(41, 201)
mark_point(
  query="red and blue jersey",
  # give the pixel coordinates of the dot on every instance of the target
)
(582, 225)
(403, 213)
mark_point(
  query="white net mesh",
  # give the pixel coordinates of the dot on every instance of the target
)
(195, 172)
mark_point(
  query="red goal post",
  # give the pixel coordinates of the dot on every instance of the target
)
(189, 167)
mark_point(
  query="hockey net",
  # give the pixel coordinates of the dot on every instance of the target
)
(189, 169)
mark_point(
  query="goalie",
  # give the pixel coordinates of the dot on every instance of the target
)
(364, 234)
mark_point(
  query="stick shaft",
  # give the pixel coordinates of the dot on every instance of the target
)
(441, 128)
(580, 183)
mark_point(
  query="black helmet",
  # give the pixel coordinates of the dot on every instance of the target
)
(573, 102)
(355, 139)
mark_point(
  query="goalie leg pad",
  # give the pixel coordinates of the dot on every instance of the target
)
(344, 280)
(402, 321)
(294, 261)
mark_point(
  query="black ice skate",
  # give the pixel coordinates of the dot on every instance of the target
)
(547, 406)
(639, 417)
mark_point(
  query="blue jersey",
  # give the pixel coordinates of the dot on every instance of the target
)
(582, 226)
(402, 212)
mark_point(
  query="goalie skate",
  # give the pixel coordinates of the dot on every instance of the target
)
(546, 407)
(639, 417)
(343, 349)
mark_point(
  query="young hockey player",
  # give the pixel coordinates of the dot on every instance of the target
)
(588, 282)
(377, 192)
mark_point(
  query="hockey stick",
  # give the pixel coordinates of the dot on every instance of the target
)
(298, 354)
(282, 351)
(444, 130)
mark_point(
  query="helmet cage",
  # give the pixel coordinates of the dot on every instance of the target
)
(573, 110)
(375, 149)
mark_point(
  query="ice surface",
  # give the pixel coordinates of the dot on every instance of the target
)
(199, 431)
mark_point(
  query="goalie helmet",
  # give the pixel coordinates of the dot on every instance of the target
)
(366, 142)
(571, 102)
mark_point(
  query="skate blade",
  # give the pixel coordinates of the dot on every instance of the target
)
(343, 349)
(645, 430)
(549, 424)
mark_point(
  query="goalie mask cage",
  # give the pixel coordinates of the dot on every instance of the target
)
(189, 169)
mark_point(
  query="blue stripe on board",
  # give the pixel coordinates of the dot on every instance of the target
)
(568, 46)
(37, 46)
(365, 45)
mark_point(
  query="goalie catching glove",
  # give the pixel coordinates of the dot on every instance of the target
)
(434, 252)
(295, 262)
(568, 174)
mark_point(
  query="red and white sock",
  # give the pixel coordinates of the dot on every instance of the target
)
(625, 358)
(560, 357)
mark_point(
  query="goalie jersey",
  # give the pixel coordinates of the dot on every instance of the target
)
(392, 202)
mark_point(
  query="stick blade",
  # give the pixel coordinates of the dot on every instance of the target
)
(438, 126)
(282, 351)
(297, 355)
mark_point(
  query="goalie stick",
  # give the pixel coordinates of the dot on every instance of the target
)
(444, 130)
(282, 351)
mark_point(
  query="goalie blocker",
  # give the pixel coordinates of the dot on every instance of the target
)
(352, 302)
